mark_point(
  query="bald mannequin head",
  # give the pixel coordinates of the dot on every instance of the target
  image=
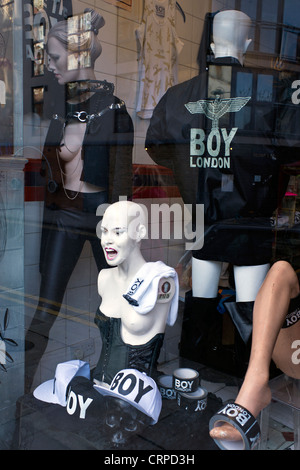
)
(231, 34)
(131, 215)
(122, 229)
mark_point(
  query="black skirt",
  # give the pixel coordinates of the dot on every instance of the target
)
(241, 242)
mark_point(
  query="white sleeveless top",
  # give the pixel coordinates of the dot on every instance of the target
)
(158, 55)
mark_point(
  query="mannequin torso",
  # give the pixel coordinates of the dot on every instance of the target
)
(136, 329)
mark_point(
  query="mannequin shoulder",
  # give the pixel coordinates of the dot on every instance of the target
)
(166, 289)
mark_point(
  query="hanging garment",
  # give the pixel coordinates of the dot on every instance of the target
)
(158, 54)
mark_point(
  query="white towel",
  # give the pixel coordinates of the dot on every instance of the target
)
(142, 291)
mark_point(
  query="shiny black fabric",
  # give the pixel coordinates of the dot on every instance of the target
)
(293, 315)
(117, 355)
(243, 241)
(236, 173)
(106, 151)
(63, 236)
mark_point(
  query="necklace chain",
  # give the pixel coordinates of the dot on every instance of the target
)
(62, 174)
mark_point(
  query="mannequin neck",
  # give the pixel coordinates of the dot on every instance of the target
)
(129, 267)
(229, 51)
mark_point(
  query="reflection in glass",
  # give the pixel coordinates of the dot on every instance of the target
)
(244, 84)
(249, 7)
(290, 45)
(291, 15)
(263, 118)
(269, 10)
(267, 42)
(79, 60)
(243, 121)
(38, 67)
(38, 33)
(264, 88)
(38, 5)
(38, 100)
(79, 44)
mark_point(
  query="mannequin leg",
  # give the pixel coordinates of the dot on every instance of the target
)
(269, 341)
(205, 278)
(248, 280)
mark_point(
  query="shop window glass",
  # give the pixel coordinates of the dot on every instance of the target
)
(6, 79)
(243, 121)
(244, 84)
(38, 64)
(263, 118)
(269, 10)
(38, 100)
(290, 45)
(267, 42)
(38, 5)
(290, 41)
(291, 15)
(79, 43)
(264, 88)
(249, 7)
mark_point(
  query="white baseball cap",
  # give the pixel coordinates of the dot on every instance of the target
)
(55, 390)
(137, 389)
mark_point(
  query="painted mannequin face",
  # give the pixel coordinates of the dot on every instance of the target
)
(58, 62)
(116, 240)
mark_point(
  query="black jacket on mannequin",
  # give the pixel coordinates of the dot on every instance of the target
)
(220, 161)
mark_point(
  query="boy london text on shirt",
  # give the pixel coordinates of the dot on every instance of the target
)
(218, 144)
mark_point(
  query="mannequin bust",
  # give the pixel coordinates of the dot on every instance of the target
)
(230, 34)
(140, 326)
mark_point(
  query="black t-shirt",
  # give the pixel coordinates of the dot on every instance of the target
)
(226, 151)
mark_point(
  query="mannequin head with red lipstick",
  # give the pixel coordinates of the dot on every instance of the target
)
(122, 229)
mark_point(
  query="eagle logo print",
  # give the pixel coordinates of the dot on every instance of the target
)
(214, 109)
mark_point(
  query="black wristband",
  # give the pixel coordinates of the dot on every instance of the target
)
(242, 420)
(185, 380)
(193, 401)
(165, 386)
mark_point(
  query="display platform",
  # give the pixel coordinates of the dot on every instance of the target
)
(43, 426)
